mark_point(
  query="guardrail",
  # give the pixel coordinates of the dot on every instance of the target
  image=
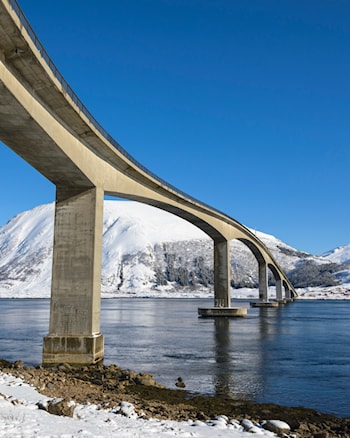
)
(66, 87)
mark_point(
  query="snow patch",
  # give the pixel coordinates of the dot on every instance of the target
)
(20, 415)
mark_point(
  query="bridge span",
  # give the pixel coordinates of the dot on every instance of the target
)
(44, 122)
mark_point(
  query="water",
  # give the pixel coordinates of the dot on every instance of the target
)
(296, 355)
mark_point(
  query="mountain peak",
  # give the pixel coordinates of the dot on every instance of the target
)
(341, 254)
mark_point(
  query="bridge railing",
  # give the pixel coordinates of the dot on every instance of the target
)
(66, 87)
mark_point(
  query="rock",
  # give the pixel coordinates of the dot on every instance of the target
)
(201, 416)
(65, 367)
(247, 424)
(61, 407)
(115, 383)
(145, 379)
(180, 383)
(277, 426)
(314, 429)
(127, 409)
(322, 435)
(303, 428)
(42, 405)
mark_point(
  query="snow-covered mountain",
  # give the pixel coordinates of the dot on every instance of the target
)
(341, 254)
(149, 251)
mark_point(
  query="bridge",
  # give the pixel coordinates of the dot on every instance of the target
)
(44, 122)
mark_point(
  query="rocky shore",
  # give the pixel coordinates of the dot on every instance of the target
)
(110, 385)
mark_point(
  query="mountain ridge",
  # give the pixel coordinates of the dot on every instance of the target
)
(149, 251)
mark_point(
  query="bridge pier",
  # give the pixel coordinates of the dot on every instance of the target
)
(222, 276)
(74, 335)
(263, 287)
(288, 294)
(279, 293)
(263, 282)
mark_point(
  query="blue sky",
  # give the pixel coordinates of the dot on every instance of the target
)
(241, 104)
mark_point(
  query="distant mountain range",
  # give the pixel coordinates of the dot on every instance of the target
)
(149, 252)
(341, 254)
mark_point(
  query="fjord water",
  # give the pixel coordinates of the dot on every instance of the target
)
(296, 355)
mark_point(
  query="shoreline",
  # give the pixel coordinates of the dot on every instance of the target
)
(178, 297)
(110, 385)
(340, 292)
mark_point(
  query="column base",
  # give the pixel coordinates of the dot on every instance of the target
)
(74, 350)
(222, 311)
(264, 304)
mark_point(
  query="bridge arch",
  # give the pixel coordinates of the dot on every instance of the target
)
(289, 293)
(203, 225)
(278, 282)
(254, 249)
(262, 268)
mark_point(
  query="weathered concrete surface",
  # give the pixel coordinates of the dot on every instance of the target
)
(263, 281)
(279, 295)
(78, 350)
(222, 274)
(74, 335)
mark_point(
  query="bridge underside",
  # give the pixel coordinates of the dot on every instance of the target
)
(29, 140)
(45, 123)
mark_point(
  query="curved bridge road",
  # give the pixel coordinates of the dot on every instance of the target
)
(44, 122)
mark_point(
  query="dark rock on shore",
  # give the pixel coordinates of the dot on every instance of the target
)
(111, 385)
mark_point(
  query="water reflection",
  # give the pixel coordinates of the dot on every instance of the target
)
(238, 371)
(247, 351)
(297, 354)
(223, 378)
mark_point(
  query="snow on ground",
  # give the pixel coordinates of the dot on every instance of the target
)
(341, 292)
(20, 416)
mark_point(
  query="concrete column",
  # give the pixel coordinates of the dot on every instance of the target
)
(263, 282)
(288, 293)
(74, 335)
(222, 274)
(279, 294)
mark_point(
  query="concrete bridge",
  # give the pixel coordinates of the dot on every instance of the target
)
(44, 122)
